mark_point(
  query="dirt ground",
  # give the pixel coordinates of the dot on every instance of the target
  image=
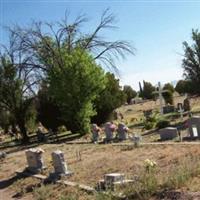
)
(96, 160)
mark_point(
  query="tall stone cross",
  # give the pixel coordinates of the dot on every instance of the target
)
(181, 111)
(160, 92)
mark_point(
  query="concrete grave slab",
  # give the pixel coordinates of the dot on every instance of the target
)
(168, 133)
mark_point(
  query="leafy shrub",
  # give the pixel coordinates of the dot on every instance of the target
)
(145, 185)
(148, 125)
(150, 122)
(162, 123)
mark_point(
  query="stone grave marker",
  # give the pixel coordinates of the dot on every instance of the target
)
(168, 133)
(111, 180)
(109, 130)
(35, 160)
(137, 140)
(60, 166)
(122, 131)
(194, 126)
(160, 91)
(180, 110)
(168, 109)
(2, 155)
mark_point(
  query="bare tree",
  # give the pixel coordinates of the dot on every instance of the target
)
(63, 35)
(19, 79)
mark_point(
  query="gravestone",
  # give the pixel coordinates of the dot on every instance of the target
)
(136, 100)
(95, 133)
(148, 113)
(168, 133)
(60, 166)
(2, 155)
(180, 109)
(122, 131)
(41, 133)
(137, 140)
(109, 129)
(168, 109)
(186, 104)
(34, 160)
(179, 106)
(194, 126)
(111, 180)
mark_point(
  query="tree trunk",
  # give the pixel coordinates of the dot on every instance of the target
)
(25, 138)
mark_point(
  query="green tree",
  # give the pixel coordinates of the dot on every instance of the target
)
(66, 57)
(185, 86)
(191, 61)
(109, 99)
(130, 93)
(5, 120)
(168, 95)
(75, 87)
(47, 107)
(147, 91)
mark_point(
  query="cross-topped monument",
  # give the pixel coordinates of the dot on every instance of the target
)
(181, 110)
(160, 91)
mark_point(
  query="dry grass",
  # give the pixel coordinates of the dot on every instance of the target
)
(96, 160)
(100, 159)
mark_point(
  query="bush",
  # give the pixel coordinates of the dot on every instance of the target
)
(149, 125)
(150, 122)
(162, 123)
(146, 185)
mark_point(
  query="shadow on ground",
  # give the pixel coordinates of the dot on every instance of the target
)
(15, 146)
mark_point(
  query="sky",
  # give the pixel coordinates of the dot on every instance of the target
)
(156, 29)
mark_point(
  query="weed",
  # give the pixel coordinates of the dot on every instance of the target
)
(42, 193)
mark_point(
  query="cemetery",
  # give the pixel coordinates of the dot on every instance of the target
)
(78, 123)
(92, 166)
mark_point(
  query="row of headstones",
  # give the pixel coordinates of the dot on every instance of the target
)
(36, 164)
(122, 132)
(193, 127)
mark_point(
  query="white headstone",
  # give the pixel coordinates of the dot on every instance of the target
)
(137, 140)
(112, 178)
(34, 159)
(181, 111)
(59, 163)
